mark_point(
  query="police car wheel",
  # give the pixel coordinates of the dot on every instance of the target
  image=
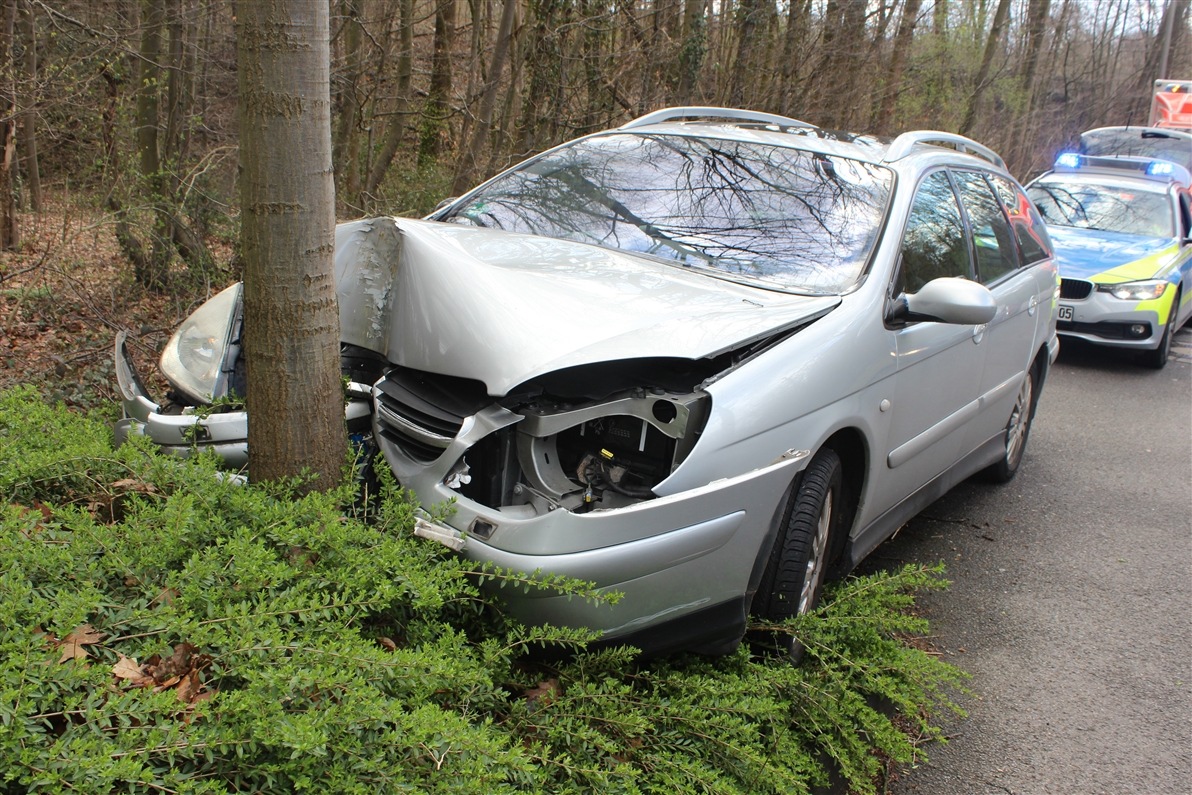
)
(1157, 359)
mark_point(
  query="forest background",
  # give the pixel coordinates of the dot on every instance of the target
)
(118, 138)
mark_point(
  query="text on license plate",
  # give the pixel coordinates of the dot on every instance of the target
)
(1065, 312)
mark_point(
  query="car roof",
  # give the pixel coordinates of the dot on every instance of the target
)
(1155, 171)
(738, 124)
(1106, 178)
(1173, 145)
(1143, 132)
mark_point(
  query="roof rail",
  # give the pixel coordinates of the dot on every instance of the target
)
(904, 143)
(688, 112)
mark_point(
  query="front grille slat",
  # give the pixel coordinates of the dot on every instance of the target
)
(422, 412)
(1075, 289)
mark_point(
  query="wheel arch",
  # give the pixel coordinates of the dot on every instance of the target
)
(850, 446)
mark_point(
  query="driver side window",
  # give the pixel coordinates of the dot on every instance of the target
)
(934, 243)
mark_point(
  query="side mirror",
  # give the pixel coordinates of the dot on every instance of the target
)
(947, 300)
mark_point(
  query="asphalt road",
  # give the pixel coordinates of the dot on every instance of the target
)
(1071, 603)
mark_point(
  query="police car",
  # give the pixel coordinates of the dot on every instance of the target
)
(1122, 230)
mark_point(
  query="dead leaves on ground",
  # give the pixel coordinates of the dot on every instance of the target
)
(542, 694)
(72, 645)
(180, 672)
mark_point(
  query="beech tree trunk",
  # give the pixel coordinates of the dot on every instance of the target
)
(295, 399)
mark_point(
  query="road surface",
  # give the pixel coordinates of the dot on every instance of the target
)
(1071, 603)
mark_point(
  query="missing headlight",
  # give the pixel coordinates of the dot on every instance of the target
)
(605, 454)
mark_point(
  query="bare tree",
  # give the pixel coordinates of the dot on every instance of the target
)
(902, 44)
(295, 399)
(396, 122)
(1000, 16)
(28, 76)
(465, 172)
(437, 108)
(9, 231)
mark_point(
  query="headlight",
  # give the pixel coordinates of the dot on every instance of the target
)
(193, 359)
(1135, 291)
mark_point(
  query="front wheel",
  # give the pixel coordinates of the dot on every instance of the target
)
(1157, 359)
(1018, 429)
(794, 576)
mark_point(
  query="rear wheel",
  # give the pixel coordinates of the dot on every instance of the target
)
(794, 576)
(1018, 429)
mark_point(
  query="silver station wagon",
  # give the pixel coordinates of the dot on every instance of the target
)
(704, 360)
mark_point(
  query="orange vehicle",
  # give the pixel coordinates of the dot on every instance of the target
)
(1171, 104)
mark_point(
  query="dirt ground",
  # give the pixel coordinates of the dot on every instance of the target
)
(65, 293)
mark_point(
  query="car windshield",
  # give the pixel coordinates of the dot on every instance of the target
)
(1134, 142)
(1108, 208)
(789, 219)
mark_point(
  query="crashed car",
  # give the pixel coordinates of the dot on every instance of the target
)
(1122, 228)
(703, 360)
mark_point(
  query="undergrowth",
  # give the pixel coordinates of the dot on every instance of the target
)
(165, 630)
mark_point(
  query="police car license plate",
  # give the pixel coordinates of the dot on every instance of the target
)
(1065, 313)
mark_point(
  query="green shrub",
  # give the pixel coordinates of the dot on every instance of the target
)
(165, 630)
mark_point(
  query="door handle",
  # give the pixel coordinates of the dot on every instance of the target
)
(979, 333)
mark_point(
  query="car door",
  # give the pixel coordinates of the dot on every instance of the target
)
(938, 365)
(1010, 338)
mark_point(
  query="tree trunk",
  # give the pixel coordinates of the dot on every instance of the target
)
(695, 47)
(748, 16)
(981, 83)
(436, 111)
(152, 271)
(9, 231)
(792, 51)
(466, 171)
(395, 127)
(295, 399)
(346, 154)
(29, 112)
(902, 45)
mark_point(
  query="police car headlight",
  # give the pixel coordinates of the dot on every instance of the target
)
(193, 359)
(1135, 291)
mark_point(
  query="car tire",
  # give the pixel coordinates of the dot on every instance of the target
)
(1017, 430)
(1157, 359)
(803, 550)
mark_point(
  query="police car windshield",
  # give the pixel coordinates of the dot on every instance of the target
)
(1108, 208)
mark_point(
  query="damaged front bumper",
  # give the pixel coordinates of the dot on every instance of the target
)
(685, 565)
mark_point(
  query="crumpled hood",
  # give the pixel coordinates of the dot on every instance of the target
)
(1088, 253)
(502, 308)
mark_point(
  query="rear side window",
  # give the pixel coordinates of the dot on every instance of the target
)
(934, 243)
(997, 251)
(1033, 243)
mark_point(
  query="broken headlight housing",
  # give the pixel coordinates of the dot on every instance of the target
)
(198, 359)
(603, 454)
